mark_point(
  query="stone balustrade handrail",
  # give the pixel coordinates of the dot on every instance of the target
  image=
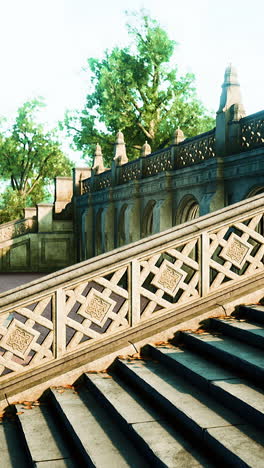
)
(16, 228)
(73, 308)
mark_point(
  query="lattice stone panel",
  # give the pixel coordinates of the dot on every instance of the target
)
(196, 151)
(235, 251)
(252, 133)
(102, 181)
(157, 163)
(26, 336)
(170, 277)
(129, 171)
(97, 307)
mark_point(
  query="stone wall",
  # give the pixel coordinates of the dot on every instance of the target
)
(38, 243)
(189, 178)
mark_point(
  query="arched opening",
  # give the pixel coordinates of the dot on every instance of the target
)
(188, 209)
(122, 226)
(255, 191)
(147, 221)
(98, 232)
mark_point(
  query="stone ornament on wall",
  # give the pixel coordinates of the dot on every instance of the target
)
(169, 278)
(97, 307)
(236, 250)
(19, 339)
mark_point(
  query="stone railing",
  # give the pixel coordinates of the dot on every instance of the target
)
(17, 228)
(196, 150)
(71, 310)
(252, 131)
(157, 162)
(130, 171)
(190, 151)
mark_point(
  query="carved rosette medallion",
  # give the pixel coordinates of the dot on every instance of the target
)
(236, 251)
(97, 307)
(19, 339)
(169, 278)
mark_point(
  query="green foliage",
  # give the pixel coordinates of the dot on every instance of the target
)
(29, 159)
(137, 90)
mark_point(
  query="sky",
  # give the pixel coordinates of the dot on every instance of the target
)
(45, 44)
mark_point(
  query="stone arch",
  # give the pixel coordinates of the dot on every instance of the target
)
(98, 232)
(255, 191)
(188, 209)
(121, 226)
(148, 218)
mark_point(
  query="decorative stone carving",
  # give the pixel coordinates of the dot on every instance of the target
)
(169, 278)
(98, 163)
(196, 150)
(252, 132)
(178, 137)
(19, 339)
(96, 307)
(159, 162)
(120, 156)
(145, 150)
(236, 250)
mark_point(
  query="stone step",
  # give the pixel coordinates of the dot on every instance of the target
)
(162, 445)
(96, 437)
(249, 332)
(45, 442)
(234, 442)
(252, 312)
(240, 356)
(14, 451)
(236, 393)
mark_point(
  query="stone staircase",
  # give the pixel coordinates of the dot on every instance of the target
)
(196, 402)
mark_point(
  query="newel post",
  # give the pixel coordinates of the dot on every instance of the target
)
(204, 259)
(134, 292)
(59, 323)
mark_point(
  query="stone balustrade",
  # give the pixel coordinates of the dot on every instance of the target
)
(252, 131)
(17, 228)
(141, 284)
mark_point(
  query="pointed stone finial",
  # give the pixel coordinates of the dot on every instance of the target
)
(178, 136)
(120, 149)
(98, 163)
(231, 92)
(146, 149)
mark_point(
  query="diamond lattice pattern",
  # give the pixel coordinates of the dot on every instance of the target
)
(96, 307)
(170, 277)
(26, 336)
(235, 251)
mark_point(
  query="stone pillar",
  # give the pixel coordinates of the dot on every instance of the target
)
(98, 163)
(120, 156)
(30, 212)
(63, 193)
(45, 212)
(230, 97)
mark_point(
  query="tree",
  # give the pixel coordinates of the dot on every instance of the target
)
(137, 90)
(29, 159)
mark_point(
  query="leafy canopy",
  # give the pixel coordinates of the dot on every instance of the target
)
(138, 90)
(29, 159)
